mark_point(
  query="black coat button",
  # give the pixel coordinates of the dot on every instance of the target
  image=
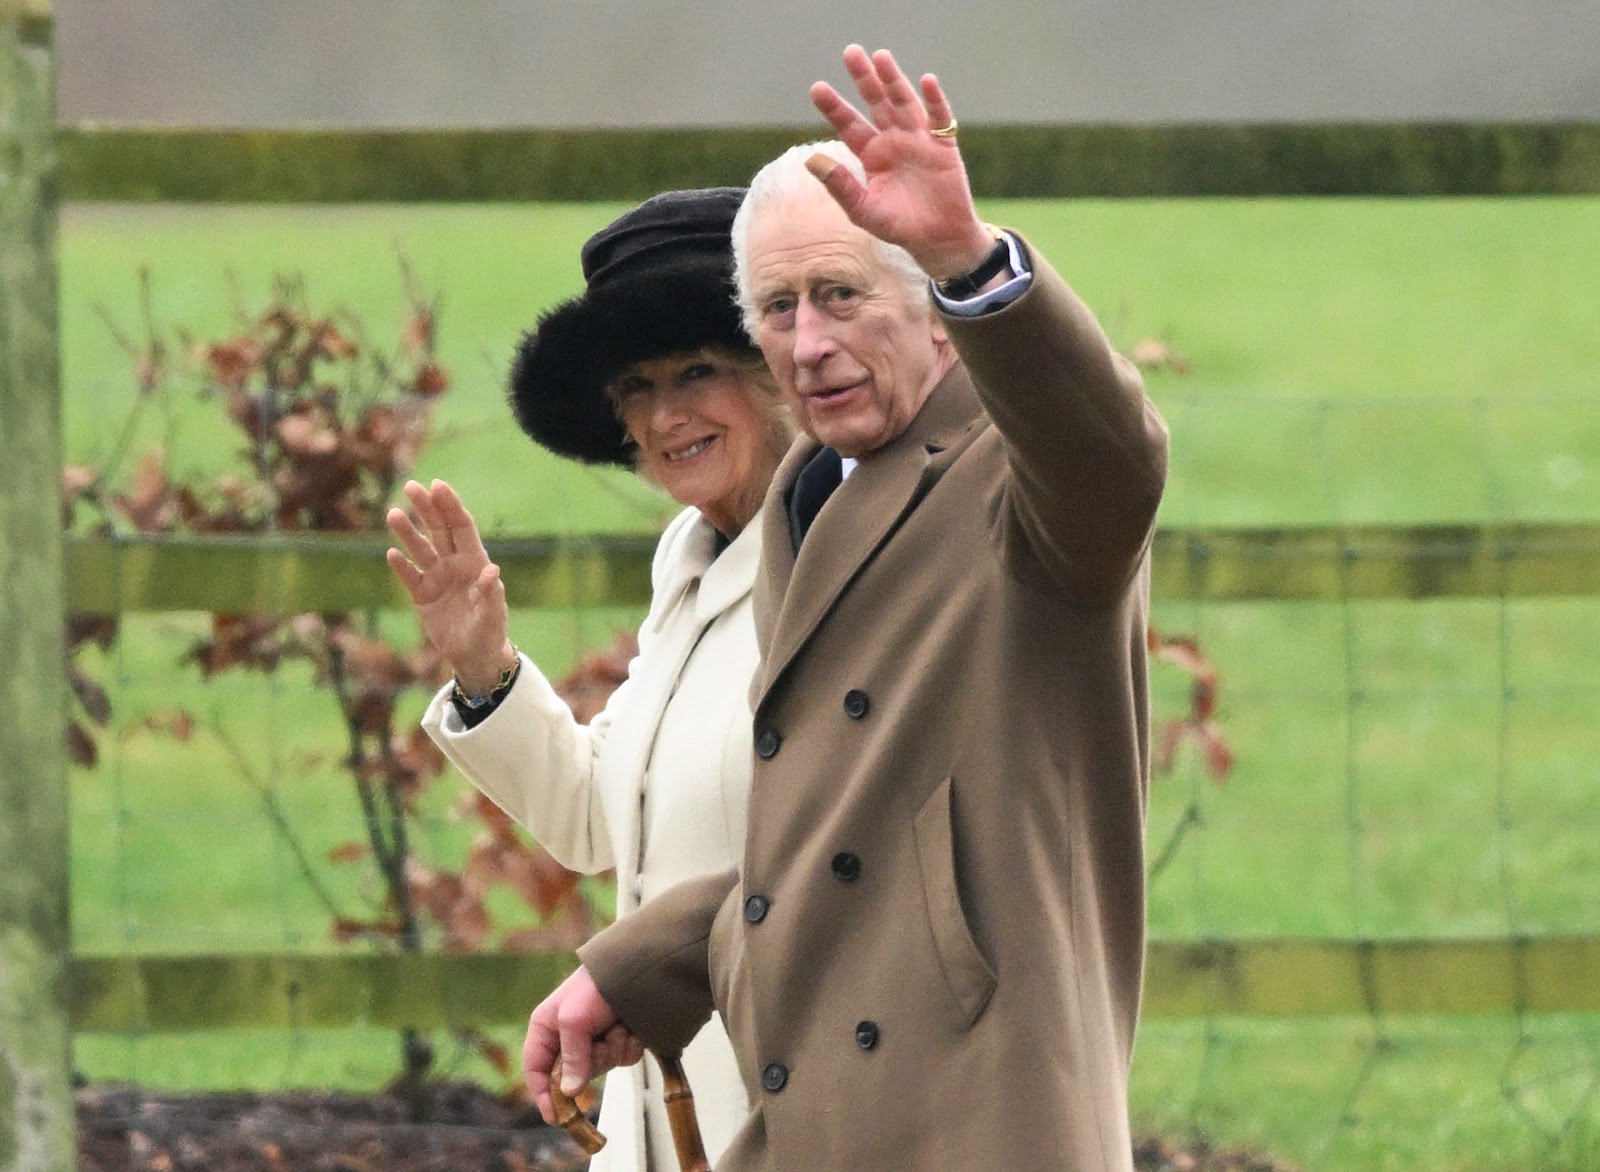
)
(866, 1034)
(767, 744)
(856, 703)
(846, 867)
(774, 1076)
(755, 908)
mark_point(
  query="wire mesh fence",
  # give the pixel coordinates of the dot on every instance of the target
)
(1404, 769)
(1418, 768)
(1396, 595)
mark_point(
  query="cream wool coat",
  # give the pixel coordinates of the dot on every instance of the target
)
(656, 787)
(931, 958)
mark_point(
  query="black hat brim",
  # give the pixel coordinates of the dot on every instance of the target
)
(559, 376)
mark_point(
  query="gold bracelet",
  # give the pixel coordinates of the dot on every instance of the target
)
(507, 678)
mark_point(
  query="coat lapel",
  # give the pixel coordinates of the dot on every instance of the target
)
(777, 553)
(730, 576)
(717, 584)
(794, 594)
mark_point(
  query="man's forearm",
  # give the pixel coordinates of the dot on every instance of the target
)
(1087, 447)
(652, 967)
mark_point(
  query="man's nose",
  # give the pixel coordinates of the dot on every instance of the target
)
(813, 335)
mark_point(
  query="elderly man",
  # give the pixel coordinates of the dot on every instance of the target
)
(931, 957)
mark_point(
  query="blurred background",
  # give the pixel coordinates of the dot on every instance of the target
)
(1352, 245)
(504, 63)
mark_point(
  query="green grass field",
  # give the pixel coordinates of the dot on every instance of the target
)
(1403, 769)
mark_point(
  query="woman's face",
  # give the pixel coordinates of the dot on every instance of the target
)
(704, 430)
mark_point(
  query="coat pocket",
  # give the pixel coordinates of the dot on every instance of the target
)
(966, 973)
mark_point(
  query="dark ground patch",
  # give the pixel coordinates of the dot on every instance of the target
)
(126, 1129)
(468, 1129)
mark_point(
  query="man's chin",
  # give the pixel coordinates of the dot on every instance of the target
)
(845, 445)
(843, 438)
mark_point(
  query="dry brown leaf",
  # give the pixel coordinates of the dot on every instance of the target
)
(538, 880)
(95, 699)
(332, 344)
(589, 685)
(1155, 354)
(344, 930)
(431, 382)
(234, 362)
(77, 479)
(248, 640)
(349, 852)
(99, 629)
(419, 330)
(305, 433)
(179, 725)
(80, 746)
(1218, 753)
(150, 507)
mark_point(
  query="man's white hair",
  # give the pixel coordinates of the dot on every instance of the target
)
(786, 177)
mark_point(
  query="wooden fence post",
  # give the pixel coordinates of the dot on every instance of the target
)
(36, 1124)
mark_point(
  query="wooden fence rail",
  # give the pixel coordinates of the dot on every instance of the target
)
(288, 574)
(1185, 978)
(1274, 977)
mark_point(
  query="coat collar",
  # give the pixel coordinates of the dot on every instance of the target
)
(723, 579)
(793, 595)
(728, 577)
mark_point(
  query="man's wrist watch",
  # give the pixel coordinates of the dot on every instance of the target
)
(967, 285)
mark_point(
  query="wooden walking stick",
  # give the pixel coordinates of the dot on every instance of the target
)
(570, 1115)
(680, 1116)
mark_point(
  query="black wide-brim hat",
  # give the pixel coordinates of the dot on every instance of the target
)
(658, 281)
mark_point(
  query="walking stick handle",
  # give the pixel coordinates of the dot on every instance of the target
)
(570, 1115)
(680, 1116)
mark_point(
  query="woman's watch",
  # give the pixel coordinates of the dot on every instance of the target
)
(473, 705)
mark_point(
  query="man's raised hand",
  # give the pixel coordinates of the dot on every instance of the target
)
(916, 194)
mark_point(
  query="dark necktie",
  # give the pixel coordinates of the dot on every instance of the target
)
(812, 487)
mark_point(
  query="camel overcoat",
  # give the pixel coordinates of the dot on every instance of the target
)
(655, 786)
(933, 953)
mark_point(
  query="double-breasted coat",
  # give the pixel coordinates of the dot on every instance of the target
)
(931, 956)
(656, 786)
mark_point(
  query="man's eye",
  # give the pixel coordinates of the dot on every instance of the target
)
(698, 371)
(779, 306)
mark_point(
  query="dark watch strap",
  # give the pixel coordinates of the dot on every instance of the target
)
(967, 285)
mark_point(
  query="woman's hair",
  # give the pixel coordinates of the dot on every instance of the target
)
(786, 177)
(781, 425)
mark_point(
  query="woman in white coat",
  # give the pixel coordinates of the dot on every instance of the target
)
(648, 367)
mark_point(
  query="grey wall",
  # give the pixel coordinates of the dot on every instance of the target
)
(714, 62)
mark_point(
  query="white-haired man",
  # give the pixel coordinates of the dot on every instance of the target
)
(931, 956)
